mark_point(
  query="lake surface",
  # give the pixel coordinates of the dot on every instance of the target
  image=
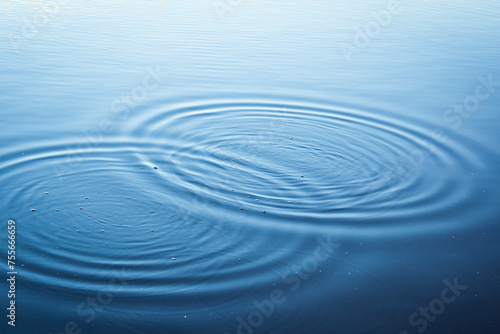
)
(251, 166)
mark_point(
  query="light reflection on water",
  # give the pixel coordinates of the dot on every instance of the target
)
(224, 167)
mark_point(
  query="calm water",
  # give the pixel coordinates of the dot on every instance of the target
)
(251, 166)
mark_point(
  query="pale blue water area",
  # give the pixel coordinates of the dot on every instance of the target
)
(251, 166)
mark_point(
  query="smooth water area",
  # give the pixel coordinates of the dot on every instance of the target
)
(251, 166)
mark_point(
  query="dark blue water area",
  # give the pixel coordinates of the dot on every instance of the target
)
(250, 167)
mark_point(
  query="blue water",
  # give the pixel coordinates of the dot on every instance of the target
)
(251, 166)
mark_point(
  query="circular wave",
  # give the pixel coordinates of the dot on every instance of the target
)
(309, 163)
(208, 205)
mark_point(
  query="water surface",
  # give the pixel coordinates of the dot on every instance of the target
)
(251, 167)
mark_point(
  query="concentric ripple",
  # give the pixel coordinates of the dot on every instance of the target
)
(310, 163)
(208, 205)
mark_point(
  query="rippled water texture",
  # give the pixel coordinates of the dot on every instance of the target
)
(251, 167)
